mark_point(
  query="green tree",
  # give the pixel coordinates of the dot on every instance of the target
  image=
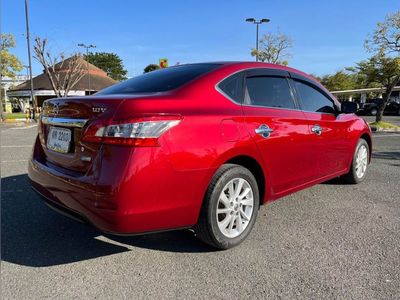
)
(339, 81)
(110, 63)
(273, 48)
(383, 68)
(383, 71)
(150, 68)
(10, 64)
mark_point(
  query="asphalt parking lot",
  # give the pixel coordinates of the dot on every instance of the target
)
(329, 241)
(392, 119)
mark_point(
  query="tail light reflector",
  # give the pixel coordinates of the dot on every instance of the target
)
(140, 132)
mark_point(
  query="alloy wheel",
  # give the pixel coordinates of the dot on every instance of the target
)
(235, 207)
(361, 161)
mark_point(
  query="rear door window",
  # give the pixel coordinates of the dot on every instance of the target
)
(269, 91)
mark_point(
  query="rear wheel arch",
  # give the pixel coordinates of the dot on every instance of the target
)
(213, 230)
(255, 168)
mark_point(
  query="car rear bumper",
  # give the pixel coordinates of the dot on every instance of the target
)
(144, 201)
(72, 197)
(58, 207)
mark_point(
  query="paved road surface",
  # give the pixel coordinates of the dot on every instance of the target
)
(330, 241)
(392, 119)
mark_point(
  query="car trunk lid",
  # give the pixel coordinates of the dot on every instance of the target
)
(63, 121)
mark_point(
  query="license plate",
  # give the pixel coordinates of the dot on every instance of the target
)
(59, 139)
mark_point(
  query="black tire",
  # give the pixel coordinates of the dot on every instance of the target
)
(373, 111)
(207, 228)
(352, 176)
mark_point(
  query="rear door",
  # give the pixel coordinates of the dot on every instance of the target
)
(278, 127)
(328, 130)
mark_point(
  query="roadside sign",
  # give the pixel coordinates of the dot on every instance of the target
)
(163, 62)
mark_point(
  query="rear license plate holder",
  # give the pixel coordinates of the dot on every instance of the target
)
(59, 139)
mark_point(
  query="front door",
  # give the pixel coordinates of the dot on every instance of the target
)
(328, 130)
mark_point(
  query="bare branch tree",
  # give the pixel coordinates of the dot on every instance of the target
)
(273, 48)
(386, 37)
(63, 73)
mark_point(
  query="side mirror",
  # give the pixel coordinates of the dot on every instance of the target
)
(349, 107)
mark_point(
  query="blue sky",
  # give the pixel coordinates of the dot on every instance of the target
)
(327, 35)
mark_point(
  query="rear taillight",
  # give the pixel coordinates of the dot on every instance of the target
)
(141, 132)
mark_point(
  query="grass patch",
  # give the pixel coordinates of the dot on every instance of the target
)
(384, 125)
(14, 116)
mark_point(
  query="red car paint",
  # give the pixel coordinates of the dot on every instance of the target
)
(134, 189)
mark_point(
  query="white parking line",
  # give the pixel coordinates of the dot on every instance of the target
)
(17, 146)
(26, 127)
(384, 135)
(13, 161)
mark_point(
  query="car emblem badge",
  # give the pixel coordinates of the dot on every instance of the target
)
(98, 109)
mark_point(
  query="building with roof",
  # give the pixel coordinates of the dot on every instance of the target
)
(93, 80)
(6, 84)
(361, 94)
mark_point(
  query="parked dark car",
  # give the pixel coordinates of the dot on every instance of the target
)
(371, 108)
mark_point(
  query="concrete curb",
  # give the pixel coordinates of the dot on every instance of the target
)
(378, 129)
(19, 120)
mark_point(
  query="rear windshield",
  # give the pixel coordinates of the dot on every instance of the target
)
(161, 80)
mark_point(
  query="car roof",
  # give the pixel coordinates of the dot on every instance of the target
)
(253, 64)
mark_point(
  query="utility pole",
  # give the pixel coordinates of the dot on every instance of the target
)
(87, 61)
(254, 21)
(29, 59)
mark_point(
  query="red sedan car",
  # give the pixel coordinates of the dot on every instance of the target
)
(197, 146)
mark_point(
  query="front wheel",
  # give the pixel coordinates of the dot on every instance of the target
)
(359, 165)
(230, 207)
(373, 111)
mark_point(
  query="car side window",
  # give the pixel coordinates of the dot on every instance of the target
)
(269, 91)
(313, 100)
(233, 87)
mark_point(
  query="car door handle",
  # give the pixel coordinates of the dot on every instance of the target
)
(263, 130)
(316, 129)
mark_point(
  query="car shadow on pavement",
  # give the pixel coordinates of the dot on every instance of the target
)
(170, 241)
(34, 235)
(394, 155)
(334, 181)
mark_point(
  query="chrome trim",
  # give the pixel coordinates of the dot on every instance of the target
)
(86, 158)
(263, 130)
(316, 129)
(65, 122)
(317, 112)
(272, 107)
(216, 86)
(226, 96)
(299, 108)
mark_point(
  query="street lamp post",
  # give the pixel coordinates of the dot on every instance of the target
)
(254, 21)
(29, 59)
(87, 61)
(27, 71)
